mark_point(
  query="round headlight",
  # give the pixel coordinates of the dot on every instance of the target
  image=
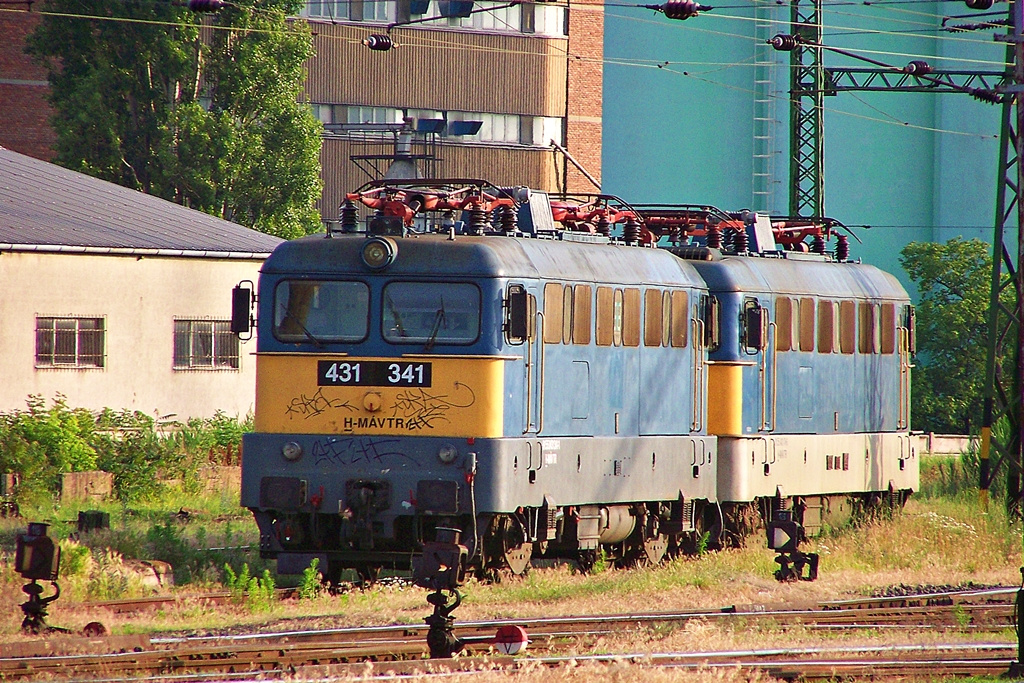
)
(379, 252)
(447, 454)
(291, 451)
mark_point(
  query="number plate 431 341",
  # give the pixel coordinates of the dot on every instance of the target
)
(372, 373)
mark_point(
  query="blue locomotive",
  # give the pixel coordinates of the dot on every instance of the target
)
(495, 360)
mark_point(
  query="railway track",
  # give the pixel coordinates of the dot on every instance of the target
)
(404, 645)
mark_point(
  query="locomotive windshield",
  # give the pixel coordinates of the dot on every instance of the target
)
(321, 310)
(431, 312)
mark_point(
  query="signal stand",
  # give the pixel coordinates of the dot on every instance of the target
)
(35, 609)
(784, 534)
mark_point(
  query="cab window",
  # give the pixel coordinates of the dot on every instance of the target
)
(436, 312)
(321, 310)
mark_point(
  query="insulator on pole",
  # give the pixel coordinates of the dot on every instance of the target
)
(979, 4)
(681, 9)
(989, 96)
(380, 42)
(918, 67)
(206, 5)
(783, 42)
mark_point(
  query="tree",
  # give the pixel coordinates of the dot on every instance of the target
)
(206, 115)
(953, 280)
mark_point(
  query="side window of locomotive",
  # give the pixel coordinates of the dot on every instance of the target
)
(784, 324)
(867, 326)
(631, 317)
(606, 318)
(888, 323)
(581, 304)
(827, 327)
(847, 326)
(680, 320)
(910, 323)
(806, 324)
(666, 318)
(711, 313)
(755, 327)
(321, 310)
(617, 317)
(431, 312)
(567, 314)
(652, 317)
(520, 315)
(552, 313)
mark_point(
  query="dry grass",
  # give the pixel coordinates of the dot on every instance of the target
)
(572, 672)
(934, 542)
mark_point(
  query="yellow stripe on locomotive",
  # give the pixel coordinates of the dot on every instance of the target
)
(454, 396)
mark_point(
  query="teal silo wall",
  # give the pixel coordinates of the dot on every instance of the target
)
(675, 137)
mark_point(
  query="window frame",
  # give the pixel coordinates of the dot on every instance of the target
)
(219, 362)
(419, 339)
(604, 323)
(300, 337)
(653, 317)
(49, 359)
(631, 317)
(808, 328)
(552, 333)
(582, 307)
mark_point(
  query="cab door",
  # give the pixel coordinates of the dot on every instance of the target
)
(758, 341)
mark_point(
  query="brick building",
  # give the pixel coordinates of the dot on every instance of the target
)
(23, 108)
(529, 75)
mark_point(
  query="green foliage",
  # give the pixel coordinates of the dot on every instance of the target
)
(210, 120)
(702, 543)
(948, 383)
(258, 593)
(237, 583)
(41, 443)
(310, 585)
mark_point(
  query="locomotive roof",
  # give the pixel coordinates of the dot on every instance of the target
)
(489, 256)
(800, 276)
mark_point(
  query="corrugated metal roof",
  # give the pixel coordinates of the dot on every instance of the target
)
(48, 208)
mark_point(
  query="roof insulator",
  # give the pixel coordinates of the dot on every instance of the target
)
(379, 41)
(979, 4)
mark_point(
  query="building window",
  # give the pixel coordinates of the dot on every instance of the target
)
(69, 342)
(205, 345)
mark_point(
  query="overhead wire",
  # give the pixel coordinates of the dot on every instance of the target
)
(662, 65)
(890, 121)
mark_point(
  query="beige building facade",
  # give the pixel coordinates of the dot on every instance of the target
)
(113, 330)
(116, 299)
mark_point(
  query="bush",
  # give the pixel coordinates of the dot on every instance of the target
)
(39, 444)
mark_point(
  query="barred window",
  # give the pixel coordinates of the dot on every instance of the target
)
(69, 342)
(205, 344)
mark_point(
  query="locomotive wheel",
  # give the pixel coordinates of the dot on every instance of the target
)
(508, 551)
(647, 545)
